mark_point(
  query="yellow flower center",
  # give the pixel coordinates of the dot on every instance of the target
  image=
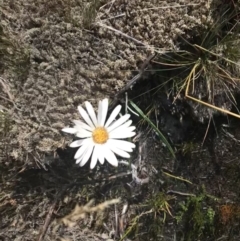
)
(100, 135)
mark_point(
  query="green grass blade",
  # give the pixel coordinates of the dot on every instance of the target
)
(162, 137)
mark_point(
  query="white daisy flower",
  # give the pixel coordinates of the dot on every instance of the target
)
(101, 138)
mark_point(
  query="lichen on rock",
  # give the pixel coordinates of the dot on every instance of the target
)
(70, 64)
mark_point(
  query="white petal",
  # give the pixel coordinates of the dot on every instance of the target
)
(85, 116)
(113, 115)
(99, 116)
(94, 157)
(76, 143)
(118, 151)
(121, 135)
(104, 111)
(91, 112)
(111, 158)
(81, 125)
(81, 157)
(69, 130)
(127, 124)
(83, 134)
(87, 155)
(119, 122)
(101, 154)
(85, 145)
(80, 151)
(78, 160)
(123, 145)
(122, 129)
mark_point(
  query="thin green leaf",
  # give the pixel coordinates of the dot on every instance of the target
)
(162, 137)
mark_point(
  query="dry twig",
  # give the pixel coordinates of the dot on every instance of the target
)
(49, 215)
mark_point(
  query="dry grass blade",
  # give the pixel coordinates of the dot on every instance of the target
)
(123, 34)
(143, 9)
(80, 212)
(50, 212)
(134, 223)
(205, 103)
(178, 178)
(194, 73)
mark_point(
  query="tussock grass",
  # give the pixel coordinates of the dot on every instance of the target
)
(210, 58)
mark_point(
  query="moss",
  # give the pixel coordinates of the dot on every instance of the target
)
(13, 56)
(197, 217)
(5, 123)
(160, 204)
(187, 147)
(5, 128)
(90, 13)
